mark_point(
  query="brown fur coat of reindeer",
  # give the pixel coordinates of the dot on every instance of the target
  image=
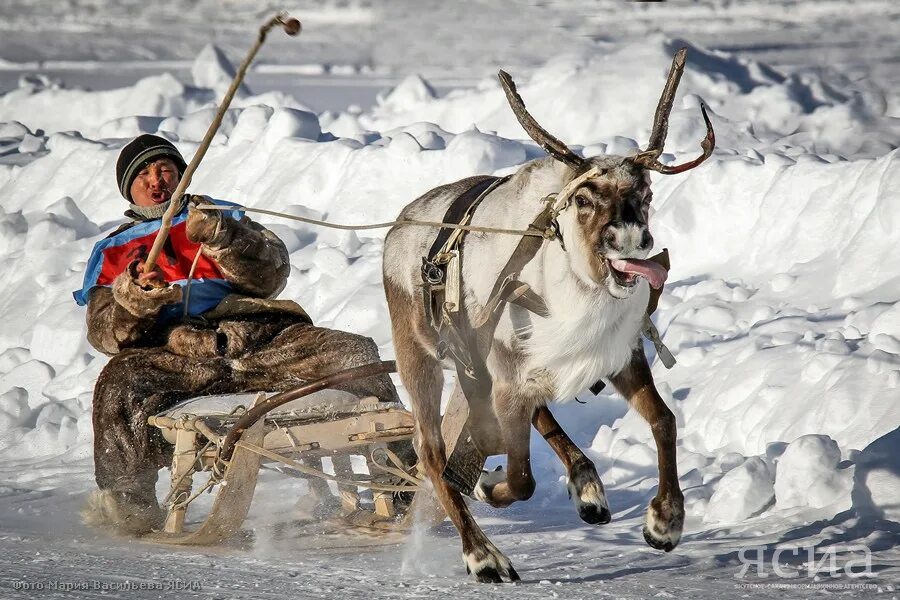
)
(595, 282)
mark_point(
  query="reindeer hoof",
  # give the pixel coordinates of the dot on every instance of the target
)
(665, 520)
(586, 491)
(594, 515)
(489, 565)
(658, 544)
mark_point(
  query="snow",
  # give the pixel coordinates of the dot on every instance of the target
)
(807, 474)
(782, 306)
(741, 493)
(213, 70)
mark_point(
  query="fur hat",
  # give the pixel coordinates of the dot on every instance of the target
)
(140, 152)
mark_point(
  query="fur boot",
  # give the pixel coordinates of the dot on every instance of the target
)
(116, 510)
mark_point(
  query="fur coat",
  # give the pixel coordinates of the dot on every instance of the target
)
(252, 261)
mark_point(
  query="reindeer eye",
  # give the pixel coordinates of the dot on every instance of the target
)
(582, 202)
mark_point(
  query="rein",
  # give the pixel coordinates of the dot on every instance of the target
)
(560, 202)
(346, 227)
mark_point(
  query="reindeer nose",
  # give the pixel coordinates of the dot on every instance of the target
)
(621, 236)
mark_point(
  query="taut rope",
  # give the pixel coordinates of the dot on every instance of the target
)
(419, 223)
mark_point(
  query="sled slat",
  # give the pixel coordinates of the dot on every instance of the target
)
(182, 461)
(232, 501)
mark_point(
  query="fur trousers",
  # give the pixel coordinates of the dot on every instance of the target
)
(231, 356)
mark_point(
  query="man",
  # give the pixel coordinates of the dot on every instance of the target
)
(169, 341)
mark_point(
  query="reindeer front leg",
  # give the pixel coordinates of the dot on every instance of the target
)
(585, 487)
(665, 515)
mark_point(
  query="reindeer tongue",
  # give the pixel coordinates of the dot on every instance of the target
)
(652, 272)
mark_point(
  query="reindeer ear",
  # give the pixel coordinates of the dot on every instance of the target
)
(545, 140)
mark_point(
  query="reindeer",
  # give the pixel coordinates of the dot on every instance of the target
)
(595, 282)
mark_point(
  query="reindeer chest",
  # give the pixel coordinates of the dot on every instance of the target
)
(585, 339)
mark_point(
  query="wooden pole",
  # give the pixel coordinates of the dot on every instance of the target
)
(291, 27)
(258, 411)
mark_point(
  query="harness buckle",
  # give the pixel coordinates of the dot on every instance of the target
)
(552, 230)
(431, 273)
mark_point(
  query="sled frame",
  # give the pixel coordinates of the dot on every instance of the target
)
(232, 449)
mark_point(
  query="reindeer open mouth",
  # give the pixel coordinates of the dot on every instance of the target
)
(625, 272)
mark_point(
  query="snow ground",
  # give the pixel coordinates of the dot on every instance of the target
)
(782, 308)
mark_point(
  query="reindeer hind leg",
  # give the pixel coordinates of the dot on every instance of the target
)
(421, 374)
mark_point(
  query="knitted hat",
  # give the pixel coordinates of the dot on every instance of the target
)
(140, 152)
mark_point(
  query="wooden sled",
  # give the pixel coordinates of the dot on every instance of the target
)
(228, 439)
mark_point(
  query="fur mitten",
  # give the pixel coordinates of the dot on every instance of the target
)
(140, 301)
(205, 226)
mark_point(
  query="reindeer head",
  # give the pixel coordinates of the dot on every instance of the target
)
(602, 209)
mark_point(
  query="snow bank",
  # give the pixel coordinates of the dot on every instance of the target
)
(741, 493)
(876, 491)
(47, 105)
(781, 309)
(213, 70)
(592, 97)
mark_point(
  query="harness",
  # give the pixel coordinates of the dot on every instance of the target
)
(441, 276)
(468, 338)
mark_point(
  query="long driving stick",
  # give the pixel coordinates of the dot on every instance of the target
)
(291, 27)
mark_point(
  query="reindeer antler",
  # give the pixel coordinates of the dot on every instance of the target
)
(547, 141)
(649, 159)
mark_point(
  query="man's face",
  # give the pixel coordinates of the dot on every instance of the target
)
(155, 183)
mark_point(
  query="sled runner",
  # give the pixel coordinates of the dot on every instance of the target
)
(227, 439)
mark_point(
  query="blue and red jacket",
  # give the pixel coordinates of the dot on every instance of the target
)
(111, 256)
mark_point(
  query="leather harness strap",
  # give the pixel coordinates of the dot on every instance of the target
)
(662, 259)
(507, 282)
(459, 210)
(434, 276)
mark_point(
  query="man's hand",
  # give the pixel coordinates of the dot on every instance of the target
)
(203, 226)
(144, 294)
(149, 280)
